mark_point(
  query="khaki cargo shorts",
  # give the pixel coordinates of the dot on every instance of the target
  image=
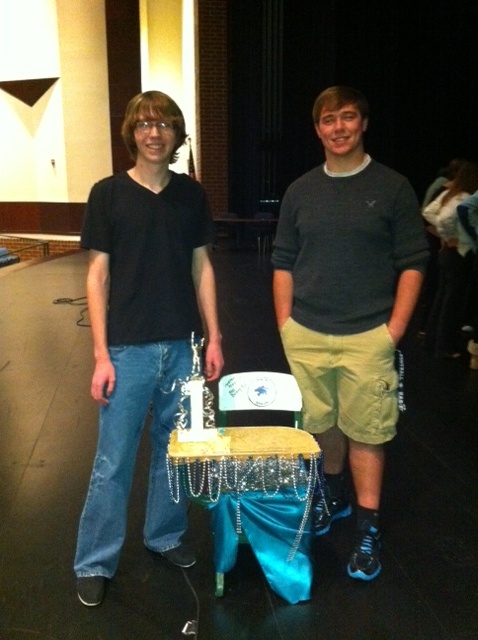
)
(349, 381)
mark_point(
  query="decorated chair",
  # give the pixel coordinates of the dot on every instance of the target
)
(269, 504)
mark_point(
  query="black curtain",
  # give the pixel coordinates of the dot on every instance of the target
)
(417, 62)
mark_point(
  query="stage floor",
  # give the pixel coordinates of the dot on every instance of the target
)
(426, 591)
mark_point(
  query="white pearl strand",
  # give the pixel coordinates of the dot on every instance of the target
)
(218, 474)
(274, 473)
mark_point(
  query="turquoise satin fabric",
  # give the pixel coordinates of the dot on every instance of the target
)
(271, 524)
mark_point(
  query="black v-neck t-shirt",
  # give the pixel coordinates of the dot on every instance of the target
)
(150, 239)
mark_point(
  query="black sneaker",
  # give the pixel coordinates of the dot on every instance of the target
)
(326, 511)
(364, 563)
(182, 556)
(91, 590)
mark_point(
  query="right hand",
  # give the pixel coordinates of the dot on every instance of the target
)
(103, 382)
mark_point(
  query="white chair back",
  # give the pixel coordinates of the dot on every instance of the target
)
(259, 390)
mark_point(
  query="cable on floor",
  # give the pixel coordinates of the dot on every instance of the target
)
(191, 628)
(76, 302)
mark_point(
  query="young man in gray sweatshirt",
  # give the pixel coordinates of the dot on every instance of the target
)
(349, 258)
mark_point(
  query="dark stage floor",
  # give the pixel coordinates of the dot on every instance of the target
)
(428, 589)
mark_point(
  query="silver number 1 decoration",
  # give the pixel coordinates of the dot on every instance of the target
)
(191, 428)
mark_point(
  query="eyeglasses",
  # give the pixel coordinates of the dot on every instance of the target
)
(148, 125)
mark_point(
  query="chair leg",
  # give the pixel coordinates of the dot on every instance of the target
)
(262, 243)
(219, 591)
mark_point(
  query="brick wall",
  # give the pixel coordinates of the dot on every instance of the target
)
(31, 248)
(58, 247)
(212, 125)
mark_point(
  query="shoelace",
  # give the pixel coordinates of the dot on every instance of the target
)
(321, 507)
(367, 543)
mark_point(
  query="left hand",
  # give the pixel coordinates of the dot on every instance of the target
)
(213, 361)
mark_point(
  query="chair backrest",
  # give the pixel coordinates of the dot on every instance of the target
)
(259, 390)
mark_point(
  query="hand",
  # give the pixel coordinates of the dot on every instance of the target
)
(281, 322)
(396, 333)
(213, 361)
(103, 382)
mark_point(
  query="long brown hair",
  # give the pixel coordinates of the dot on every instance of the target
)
(159, 105)
(466, 180)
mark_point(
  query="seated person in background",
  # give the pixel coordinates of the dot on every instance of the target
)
(468, 218)
(456, 262)
(430, 284)
(442, 181)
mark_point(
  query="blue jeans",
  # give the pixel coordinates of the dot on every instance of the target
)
(145, 376)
